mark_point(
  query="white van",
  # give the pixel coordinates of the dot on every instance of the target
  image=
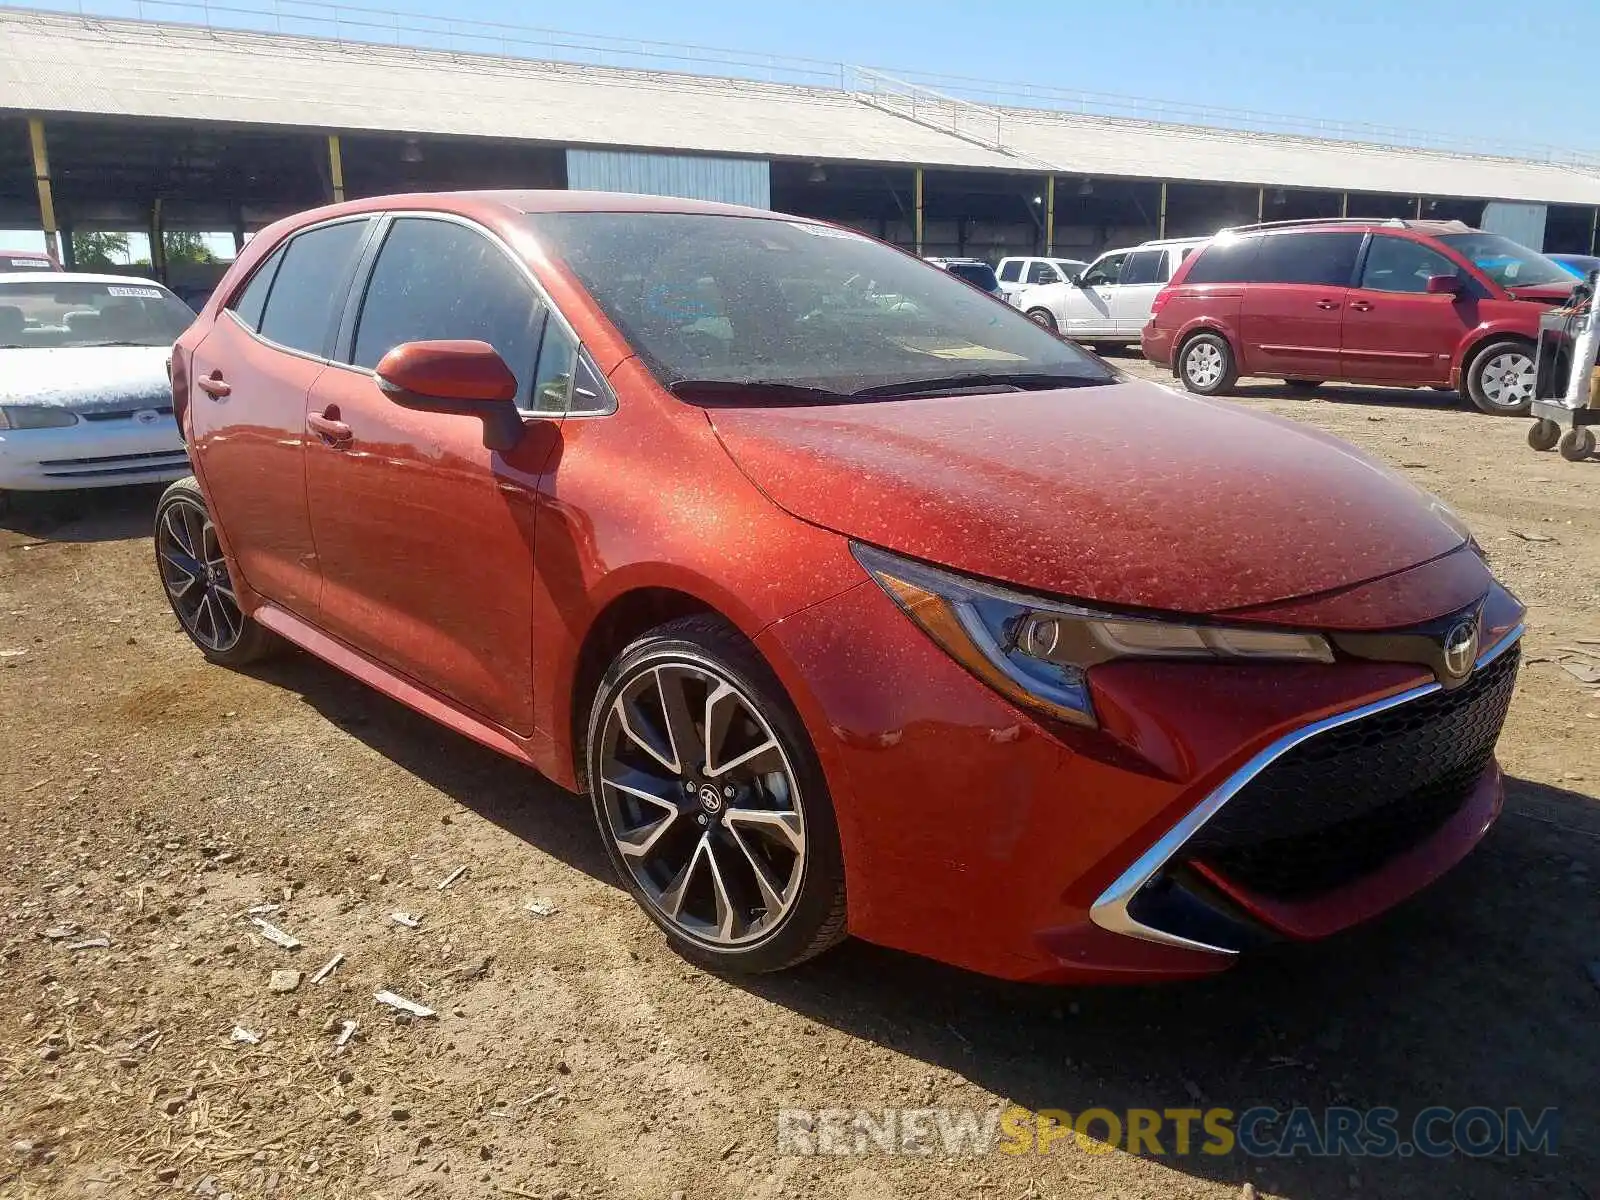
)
(1018, 273)
(1108, 303)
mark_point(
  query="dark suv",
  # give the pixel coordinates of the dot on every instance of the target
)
(1399, 303)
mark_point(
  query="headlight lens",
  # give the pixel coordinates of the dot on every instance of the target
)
(1038, 652)
(36, 416)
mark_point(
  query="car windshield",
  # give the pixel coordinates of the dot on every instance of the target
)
(751, 300)
(1504, 261)
(47, 314)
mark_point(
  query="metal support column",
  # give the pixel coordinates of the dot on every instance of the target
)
(158, 243)
(1161, 216)
(1344, 204)
(1261, 204)
(1050, 217)
(1594, 227)
(917, 214)
(336, 168)
(1419, 208)
(41, 176)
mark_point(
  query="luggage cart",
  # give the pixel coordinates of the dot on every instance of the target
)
(1565, 404)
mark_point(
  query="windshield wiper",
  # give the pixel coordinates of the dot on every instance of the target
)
(745, 391)
(1026, 381)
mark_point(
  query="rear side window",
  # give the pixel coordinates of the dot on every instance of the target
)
(310, 286)
(1011, 270)
(439, 280)
(1327, 259)
(1144, 266)
(247, 305)
(1043, 273)
(1401, 265)
(1229, 261)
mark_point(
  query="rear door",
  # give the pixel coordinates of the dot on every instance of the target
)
(1142, 276)
(1086, 309)
(1294, 305)
(1010, 275)
(425, 536)
(249, 380)
(1394, 330)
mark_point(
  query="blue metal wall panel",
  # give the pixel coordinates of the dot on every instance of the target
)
(692, 176)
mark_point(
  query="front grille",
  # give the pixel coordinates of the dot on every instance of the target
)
(123, 414)
(1340, 805)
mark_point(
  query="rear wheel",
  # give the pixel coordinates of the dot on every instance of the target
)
(1500, 378)
(1576, 445)
(198, 586)
(1043, 316)
(1206, 366)
(1544, 434)
(711, 802)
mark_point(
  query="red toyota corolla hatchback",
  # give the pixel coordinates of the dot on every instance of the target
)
(855, 601)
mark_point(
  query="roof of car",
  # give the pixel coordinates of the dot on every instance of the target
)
(1355, 225)
(75, 277)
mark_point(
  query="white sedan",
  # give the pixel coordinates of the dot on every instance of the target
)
(84, 395)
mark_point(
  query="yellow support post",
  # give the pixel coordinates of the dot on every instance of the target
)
(1050, 217)
(917, 196)
(336, 168)
(1161, 214)
(41, 176)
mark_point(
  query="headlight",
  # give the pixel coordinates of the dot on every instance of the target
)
(1038, 652)
(34, 416)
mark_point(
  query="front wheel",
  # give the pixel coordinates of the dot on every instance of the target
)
(1044, 317)
(1500, 379)
(1544, 434)
(1206, 366)
(195, 576)
(711, 802)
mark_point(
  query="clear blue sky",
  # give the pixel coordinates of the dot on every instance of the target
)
(1469, 68)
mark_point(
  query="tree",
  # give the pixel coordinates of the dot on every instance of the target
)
(186, 248)
(98, 250)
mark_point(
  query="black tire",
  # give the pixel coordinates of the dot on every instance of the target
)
(1206, 365)
(1507, 357)
(1544, 434)
(814, 919)
(1045, 318)
(1303, 385)
(1576, 445)
(1107, 349)
(225, 636)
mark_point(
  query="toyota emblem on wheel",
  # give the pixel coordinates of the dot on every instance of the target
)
(1460, 648)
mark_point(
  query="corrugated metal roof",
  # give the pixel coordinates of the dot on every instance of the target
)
(76, 65)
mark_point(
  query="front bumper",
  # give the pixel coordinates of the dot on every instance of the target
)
(986, 837)
(92, 453)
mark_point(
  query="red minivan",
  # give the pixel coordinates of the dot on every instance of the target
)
(840, 587)
(1398, 303)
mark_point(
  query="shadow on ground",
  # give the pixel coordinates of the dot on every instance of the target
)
(1474, 993)
(89, 515)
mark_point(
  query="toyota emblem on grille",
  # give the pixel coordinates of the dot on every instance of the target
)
(146, 416)
(1460, 648)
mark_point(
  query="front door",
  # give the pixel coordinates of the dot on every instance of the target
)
(1087, 307)
(249, 380)
(425, 536)
(1395, 330)
(1292, 312)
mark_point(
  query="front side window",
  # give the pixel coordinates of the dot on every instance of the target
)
(1325, 259)
(45, 315)
(310, 286)
(1402, 265)
(1105, 271)
(1144, 266)
(1506, 262)
(438, 280)
(1043, 273)
(755, 300)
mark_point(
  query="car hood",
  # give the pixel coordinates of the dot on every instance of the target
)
(1544, 293)
(1129, 494)
(86, 378)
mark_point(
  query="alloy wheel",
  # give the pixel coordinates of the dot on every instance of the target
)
(702, 803)
(196, 576)
(1203, 364)
(1506, 380)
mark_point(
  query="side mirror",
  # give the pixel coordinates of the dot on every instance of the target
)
(1444, 285)
(1075, 279)
(464, 377)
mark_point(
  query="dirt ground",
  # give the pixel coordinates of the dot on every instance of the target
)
(153, 799)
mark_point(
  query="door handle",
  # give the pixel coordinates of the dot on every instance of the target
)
(1361, 306)
(328, 427)
(214, 385)
(1327, 304)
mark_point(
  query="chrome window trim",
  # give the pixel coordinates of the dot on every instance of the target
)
(1110, 911)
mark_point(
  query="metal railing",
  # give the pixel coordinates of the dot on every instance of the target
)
(973, 108)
